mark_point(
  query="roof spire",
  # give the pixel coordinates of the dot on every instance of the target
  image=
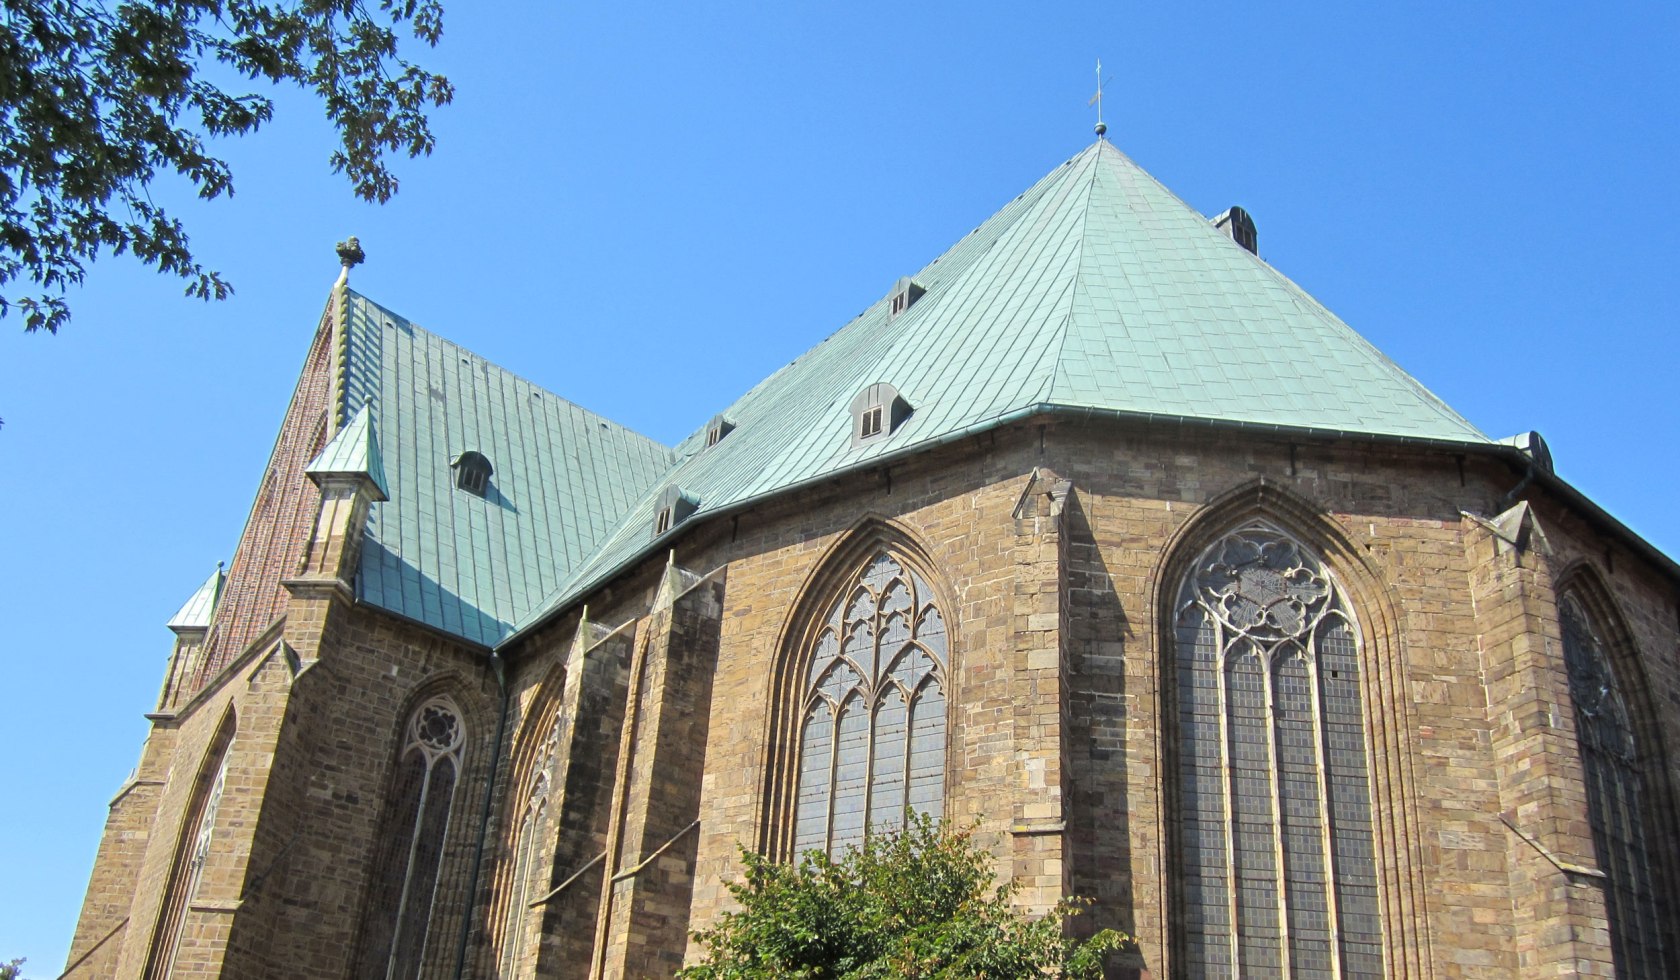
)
(1096, 100)
(350, 255)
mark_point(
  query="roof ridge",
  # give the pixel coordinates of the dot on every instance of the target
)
(1078, 277)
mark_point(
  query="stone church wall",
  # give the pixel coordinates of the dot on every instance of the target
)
(1055, 548)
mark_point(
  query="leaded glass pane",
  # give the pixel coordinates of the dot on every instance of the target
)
(927, 751)
(816, 762)
(873, 738)
(886, 799)
(1277, 855)
(851, 774)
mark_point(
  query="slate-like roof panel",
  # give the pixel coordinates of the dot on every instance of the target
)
(1096, 288)
(563, 477)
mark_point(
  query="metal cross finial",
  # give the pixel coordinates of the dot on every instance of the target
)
(1096, 100)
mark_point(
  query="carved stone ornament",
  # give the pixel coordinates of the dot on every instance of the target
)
(1259, 583)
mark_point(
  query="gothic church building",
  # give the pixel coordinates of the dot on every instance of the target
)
(1097, 534)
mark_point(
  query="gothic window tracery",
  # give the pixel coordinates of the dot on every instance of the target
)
(523, 885)
(872, 736)
(417, 822)
(1615, 797)
(1278, 863)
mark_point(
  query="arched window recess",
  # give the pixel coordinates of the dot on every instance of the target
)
(1276, 866)
(406, 872)
(531, 821)
(870, 709)
(1619, 797)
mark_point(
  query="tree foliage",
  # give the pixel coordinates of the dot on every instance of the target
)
(919, 904)
(98, 98)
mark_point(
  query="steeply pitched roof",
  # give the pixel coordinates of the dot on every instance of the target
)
(196, 613)
(1096, 290)
(564, 478)
(354, 450)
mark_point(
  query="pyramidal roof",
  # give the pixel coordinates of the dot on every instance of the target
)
(196, 612)
(354, 451)
(1096, 291)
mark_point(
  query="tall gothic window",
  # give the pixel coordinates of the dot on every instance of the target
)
(191, 855)
(411, 847)
(1615, 791)
(1278, 873)
(523, 883)
(872, 736)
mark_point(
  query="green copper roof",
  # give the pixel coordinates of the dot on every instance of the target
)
(1096, 290)
(195, 615)
(563, 478)
(353, 451)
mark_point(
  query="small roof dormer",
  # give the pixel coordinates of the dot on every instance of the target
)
(717, 428)
(675, 506)
(472, 472)
(1238, 225)
(877, 412)
(904, 292)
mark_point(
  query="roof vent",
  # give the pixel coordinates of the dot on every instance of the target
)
(716, 429)
(905, 292)
(472, 472)
(675, 506)
(1239, 227)
(877, 412)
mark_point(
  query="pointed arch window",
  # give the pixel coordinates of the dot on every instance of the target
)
(416, 825)
(526, 859)
(872, 734)
(1616, 804)
(1278, 874)
(191, 855)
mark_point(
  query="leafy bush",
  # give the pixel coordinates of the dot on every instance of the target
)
(922, 903)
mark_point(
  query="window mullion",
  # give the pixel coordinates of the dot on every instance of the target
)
(1227, 792)
(1274, 775)
(1326, 828)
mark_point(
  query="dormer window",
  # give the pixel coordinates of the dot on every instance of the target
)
(472, 473)
(674, 507)
(905, 292)
(716, 429)
(1237, 223)
(877, 412)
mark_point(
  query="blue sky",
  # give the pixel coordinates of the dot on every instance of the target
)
(647, 209)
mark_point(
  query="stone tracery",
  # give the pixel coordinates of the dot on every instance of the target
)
(1278, 868)
(872, 740)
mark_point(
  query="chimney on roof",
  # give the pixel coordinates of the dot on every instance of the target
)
(1239, 227)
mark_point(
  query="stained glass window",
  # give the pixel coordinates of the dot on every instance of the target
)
(417, 820)
(872, 736)
(1615, 798)
(1277, 860)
